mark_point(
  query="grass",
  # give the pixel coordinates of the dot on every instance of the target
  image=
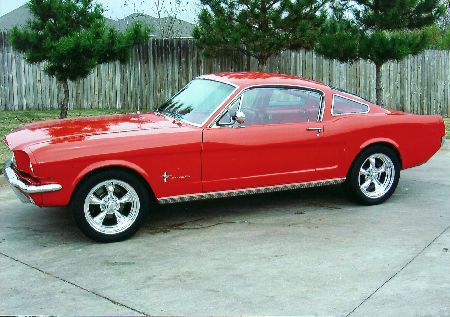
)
(10, 120)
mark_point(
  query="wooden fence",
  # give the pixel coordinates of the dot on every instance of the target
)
(156, 70)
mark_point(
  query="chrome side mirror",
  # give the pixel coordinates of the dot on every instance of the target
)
(239, 117)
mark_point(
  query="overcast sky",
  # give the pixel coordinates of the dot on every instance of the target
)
(117, 9)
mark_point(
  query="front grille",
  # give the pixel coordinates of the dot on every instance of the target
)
(25, 177)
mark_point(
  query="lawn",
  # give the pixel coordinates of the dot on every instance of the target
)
(10, 120)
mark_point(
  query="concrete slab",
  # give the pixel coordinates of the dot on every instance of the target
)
(422, 288)
(27, 290)
(295, 253)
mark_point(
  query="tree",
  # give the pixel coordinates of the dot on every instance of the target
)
(258, 28)
(379, 31)
(442, 40)
(166, 12)
(71, 38)
(444, 21)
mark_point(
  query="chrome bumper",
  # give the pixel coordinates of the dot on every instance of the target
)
(21, 189)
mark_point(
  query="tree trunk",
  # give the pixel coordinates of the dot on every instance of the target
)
(378, 85)
(64, 106)
(262, 64)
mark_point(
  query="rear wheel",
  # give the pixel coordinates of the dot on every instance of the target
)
(374, 175)
(110, 206)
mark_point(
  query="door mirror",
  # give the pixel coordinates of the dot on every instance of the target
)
(225, 120)
(239, 117)
(232, 116)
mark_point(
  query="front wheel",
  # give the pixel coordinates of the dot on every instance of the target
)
(374, 175)
(110, 206)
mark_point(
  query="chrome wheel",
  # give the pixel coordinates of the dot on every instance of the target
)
(376, 175)
(111, 207)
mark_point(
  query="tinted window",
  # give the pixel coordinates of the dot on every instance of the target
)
(270, 105)
(346, 106)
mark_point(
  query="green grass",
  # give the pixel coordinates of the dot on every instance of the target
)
(10, 120)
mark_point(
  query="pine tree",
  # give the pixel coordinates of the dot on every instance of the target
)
(258, 28)
(70, 36)
(379, 31)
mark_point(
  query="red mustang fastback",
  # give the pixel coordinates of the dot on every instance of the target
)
(222, 135)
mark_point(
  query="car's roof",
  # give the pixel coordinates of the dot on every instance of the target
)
(245, 79)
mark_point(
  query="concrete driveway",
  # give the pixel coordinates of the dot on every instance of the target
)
(308, 252)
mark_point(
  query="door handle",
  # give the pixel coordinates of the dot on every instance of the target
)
(318, 130)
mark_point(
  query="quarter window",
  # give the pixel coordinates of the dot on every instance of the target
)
(343, 105)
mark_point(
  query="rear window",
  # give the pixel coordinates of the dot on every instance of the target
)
(342, 105)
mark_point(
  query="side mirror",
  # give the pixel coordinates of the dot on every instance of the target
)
(239, 117)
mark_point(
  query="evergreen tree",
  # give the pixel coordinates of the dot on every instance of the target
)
(258, 28)
(379, 31)
(70, 36)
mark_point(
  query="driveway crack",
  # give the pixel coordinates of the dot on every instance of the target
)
(211, 225)
(73, 284)
(396, 273)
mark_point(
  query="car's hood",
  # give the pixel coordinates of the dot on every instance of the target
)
(69, 129)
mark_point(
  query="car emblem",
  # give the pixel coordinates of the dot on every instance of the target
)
(165, 177)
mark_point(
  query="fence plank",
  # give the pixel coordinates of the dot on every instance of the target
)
(159, 68)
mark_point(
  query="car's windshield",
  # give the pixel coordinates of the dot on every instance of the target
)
(197, 101)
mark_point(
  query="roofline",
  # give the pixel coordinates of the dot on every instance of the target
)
(221, 77)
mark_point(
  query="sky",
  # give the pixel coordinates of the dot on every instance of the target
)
(117, 9)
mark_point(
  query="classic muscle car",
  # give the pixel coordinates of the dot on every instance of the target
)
(222, 135)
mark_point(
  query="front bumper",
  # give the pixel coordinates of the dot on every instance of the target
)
(23, 190)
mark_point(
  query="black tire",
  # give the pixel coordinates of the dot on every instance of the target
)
(353, 184)
(118, 181)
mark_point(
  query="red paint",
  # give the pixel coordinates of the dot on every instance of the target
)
(65, 151)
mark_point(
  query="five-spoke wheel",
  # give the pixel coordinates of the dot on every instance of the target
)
(374, 175)
(109, 206)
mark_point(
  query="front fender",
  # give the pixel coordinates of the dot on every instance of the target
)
(110, 163)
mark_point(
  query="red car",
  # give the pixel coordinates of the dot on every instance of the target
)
(222, 135)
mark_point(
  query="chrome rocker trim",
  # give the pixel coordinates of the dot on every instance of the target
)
(248, 191)
(20, 187)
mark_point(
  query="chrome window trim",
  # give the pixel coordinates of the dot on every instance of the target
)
(212, 113)
(249, 191)
(218, 79)
(347, 113)
(319, 115)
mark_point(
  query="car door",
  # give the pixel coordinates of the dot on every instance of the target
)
(279, 142)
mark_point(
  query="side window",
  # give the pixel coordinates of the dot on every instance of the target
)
(272, 105)
(343, 105)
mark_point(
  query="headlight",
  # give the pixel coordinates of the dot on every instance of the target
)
(13, 160)
(23, 162)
